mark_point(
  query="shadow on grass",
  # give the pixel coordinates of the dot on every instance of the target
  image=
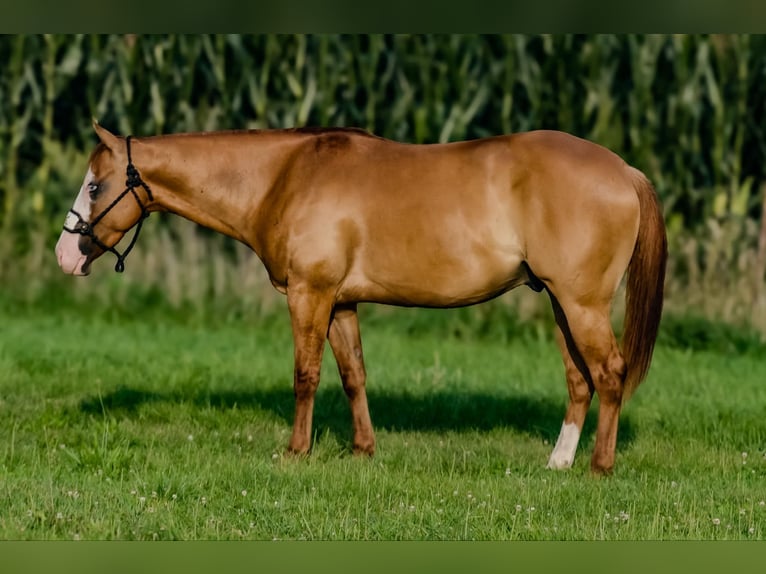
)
(439, 411)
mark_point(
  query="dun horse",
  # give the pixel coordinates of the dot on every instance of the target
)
(339, 217)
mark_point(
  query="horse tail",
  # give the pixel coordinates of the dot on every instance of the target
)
(645, 286)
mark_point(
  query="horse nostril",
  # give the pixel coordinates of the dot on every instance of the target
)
(86, 246)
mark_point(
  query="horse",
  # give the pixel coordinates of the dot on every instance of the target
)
(339, 216)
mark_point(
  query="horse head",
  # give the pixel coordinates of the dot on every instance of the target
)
(102, 212)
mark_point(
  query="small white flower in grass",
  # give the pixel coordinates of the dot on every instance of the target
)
(203, 500)
(761, 503)
(244, 493)
(190, 438)
(175, 496)
(518, 508)
(274, 456)
(249, 438)
(742, 511)
(624, 516)
(744, 455)
(141, 499)
(751, 530)
(716, 521)
(59, 516)
(673, 484)
(76, 537)
(133, 492)
(508, 471)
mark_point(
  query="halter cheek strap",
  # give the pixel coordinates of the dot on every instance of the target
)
(82, 227)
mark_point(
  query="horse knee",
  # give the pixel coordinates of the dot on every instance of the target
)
(354, 380)
(306, 382)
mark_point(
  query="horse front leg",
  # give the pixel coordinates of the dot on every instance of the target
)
(310, 311)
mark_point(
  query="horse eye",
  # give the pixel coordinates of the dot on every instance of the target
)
(93, 189)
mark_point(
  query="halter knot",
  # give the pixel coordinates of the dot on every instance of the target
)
(134, 179)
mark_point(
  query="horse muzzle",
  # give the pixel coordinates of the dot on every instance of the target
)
(70, 257)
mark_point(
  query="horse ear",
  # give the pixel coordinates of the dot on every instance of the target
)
(108, 138)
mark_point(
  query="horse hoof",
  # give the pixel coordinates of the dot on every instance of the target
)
(364, 449)
(597, 470)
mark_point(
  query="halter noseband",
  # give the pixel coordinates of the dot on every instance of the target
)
(82, 227)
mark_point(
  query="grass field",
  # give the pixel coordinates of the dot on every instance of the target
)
(160, 428)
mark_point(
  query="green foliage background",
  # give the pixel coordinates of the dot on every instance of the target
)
(688, 110)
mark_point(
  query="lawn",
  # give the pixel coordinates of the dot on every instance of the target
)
(159, 428)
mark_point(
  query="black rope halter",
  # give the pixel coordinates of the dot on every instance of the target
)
(82, 227)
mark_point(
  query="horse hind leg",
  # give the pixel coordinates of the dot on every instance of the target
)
(600, 362)
(580, 390)
(346, 344)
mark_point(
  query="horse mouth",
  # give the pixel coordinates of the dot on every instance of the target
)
(85, 267)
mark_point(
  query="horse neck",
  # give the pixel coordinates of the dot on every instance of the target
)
(215, 180)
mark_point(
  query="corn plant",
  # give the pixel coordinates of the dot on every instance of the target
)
(686, 109)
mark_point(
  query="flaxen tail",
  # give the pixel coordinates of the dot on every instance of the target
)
(645, 287)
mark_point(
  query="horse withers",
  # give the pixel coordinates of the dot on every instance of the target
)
(339, 217)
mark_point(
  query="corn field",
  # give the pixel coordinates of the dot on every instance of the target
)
(688, 110)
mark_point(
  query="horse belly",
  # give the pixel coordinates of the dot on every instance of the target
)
(437, 281)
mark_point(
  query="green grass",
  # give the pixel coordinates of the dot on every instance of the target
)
(161, 428)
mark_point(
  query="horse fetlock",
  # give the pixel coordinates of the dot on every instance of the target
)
(563, 453)
(300, 443)
(364, 446)
(601, 464)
